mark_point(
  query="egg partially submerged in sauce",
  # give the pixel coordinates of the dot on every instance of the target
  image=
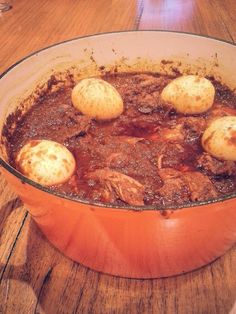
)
(97, 99)
(46, 162)
(219, 139)
(189, 94)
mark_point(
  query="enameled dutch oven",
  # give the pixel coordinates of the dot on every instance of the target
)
(145, 242)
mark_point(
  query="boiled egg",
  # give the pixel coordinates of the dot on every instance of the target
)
(97, 99)
(219, 139)
(46, 162)
(189, 94)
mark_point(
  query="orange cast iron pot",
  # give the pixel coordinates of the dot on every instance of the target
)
(130, 242)
(124, 242)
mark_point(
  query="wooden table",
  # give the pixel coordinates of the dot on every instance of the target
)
(34, 276)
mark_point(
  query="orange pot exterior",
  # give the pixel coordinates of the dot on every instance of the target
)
(135, 244)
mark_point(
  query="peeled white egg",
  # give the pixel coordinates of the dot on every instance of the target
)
(219, 139)
(189, 94)
(46, 162)
(97, 99)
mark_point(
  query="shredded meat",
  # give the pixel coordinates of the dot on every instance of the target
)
(200, 186)
(174, 187)
(79, 127)
(187, 186)
(193, 128)
(173, 155)
(117, 185)
(213, 166)
(173, 133)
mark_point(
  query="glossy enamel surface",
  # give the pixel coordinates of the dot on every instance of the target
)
(145, 244)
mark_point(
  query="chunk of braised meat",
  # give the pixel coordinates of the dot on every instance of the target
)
(186, 130)
(117, 157)
(200, 186)
(171, 133)
(192, 128)
(140, 90)
(116, 185)
(77, 125)
(174, 189)
(181, 187)
(147, 103)
(170, 155)
(144, 110)
(132, 156)
(146, 124)
(143, 170)
(224, 185)
(196, 124)
(175, 155)
(102, 150)
(148, 99)
(213, 166)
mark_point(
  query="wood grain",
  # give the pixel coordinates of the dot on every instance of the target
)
(191, 16)
(32, 25)
(34, 276)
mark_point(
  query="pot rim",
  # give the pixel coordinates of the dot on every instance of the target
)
(76, 199)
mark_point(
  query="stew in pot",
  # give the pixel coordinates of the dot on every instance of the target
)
(151, 152)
